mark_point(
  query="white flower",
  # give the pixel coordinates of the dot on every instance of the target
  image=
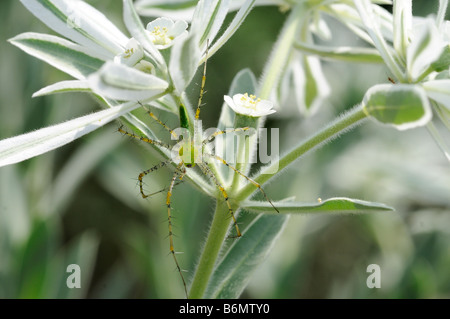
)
(163, 31)
(133, 53)
(249, 105)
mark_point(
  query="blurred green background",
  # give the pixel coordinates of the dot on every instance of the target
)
(80, 204)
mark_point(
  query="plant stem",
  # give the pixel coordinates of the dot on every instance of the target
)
(281, 52)
(216, 237)
(333, 130)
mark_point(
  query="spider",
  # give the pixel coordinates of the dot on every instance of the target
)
(188, 154)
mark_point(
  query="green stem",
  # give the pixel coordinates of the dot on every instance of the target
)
(216, 237)
(281, 52)
(341, 125)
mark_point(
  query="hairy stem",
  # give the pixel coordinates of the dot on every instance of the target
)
(339, 126)
(216, 237)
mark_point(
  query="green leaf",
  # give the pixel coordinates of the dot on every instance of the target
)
(64, 55)
(350, 54)
(25, 146)
(208, 18)
(438, 90)
(81, 23)
(184, 60)
(443, 62)
(234, 25)
(64, 87)
(121, 82)
(402, 105)
(233, 273)
(331, 205)
(425, 49)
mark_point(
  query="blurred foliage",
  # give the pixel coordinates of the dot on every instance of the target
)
(81, 204)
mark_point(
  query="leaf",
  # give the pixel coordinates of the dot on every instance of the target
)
(176, 9)
(425, 49)
(371, 24)
(233, 273)
(438, 90)
(402, 105)
(81, 23)
(232, 28)
(402, 12)
(350, 54)
(137, 30)
(208, 18)
(25, 146)
(64, 55)
(184, 60)
(121, 82)
(331, 205)
(63, 87)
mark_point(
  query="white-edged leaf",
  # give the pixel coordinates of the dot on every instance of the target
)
(175, 9)
(438, 90)
(330, 205)
(63, 87)
(79, 22)
(208, 18)
(234, 25)
(137, 30)
(121, 82)
(350, 54)
(233, 273)
(425, 48)
(25, 146)
(64, 55)
(310, 85)
(403, 106)
(372, 23)
(402, 12)
(184, 61)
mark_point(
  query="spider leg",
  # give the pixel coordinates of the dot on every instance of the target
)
(202, 87)
(145, 139)
(142, 174)
(220, 159)
(179, 173)
(213, 135)
(206, 170)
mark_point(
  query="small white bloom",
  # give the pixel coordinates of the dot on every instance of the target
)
(133, 53)
(249, 105)
(163, 31)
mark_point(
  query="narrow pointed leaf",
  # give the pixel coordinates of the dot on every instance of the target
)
(232, 28)
(234, 272)
(331, 205)
(350, 54)
(79, 22)
(25, 146)
(63, 87)
(402, 12)
(64, 55)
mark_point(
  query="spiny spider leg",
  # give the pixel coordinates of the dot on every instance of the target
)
(142, 174)
(179, 173)
(220, 159)
(202, 87)
(207, 171)
(145, 139)
(215, 134)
